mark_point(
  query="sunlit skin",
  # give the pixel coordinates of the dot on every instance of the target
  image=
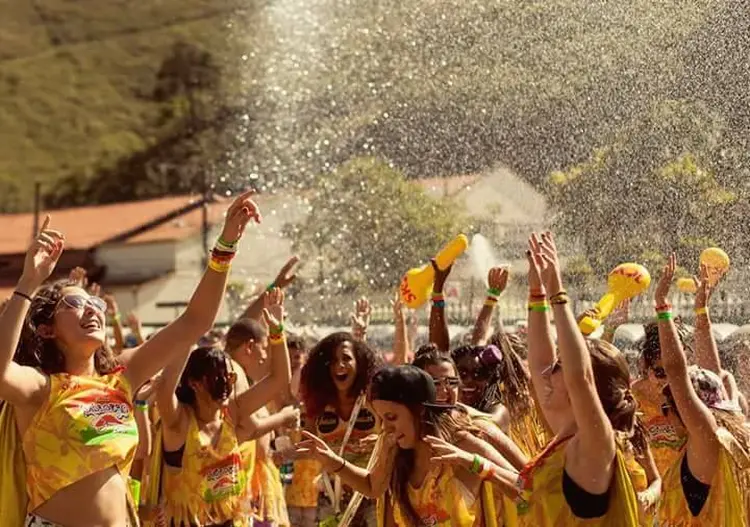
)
(444, 375)
(472, 385)
(343, 369)
(398, 420)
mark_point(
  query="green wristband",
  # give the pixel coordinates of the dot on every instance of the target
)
(664, 315)
(271, 286)
(539, 309)
(476, 465)
(492, 291)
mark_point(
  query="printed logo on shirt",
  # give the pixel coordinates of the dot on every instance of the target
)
(106, 419)
(223, 479)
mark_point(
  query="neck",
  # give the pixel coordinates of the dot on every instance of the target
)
(422, 455)
(82, 367)
(207, 414)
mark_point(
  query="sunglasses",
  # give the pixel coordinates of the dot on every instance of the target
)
(659, 372)
(451, 382)
(81, 301)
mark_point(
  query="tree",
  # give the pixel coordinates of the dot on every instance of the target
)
(659, 186)
(367, 225)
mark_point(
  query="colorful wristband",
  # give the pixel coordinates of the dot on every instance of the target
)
(275, 331)
(476, 464)
(664, 307)
(536, 308)
(271, 286)
(701, 311)
(493, 291)
(141, 405)
(664, 315)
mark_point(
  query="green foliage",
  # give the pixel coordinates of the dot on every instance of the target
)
(654, 189)
(367, 225)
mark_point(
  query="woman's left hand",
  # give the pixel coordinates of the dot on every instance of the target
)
(448, 454)
(273, 308)
(239, 214)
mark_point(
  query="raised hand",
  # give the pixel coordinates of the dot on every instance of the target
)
(704, 287)
(620, 315)
(78, 277)
(43, 255)
(94, 289)
(536, 265)
(291, 416)
(273, 308)
(239, 214)
(361, 318)
(665, 281)
(133, 322)
(497, 278)
(440, 276)
(398, 307)
(286, 275)
(112, 308)
(547, 251)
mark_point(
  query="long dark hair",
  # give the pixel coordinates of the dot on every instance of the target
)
(317, 389)
(514, 380)
(431, 355)
(491, 396)
(440, 422)
(612, 379)
(42, 353)
(207, 364)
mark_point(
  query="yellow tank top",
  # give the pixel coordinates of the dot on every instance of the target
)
(209, 487)
(724, 506)
(267, 491)
(542, 502)
(303, 492)
(528, 432)
(662, 438)
(86, 425)
(441, 501)
(331, 428)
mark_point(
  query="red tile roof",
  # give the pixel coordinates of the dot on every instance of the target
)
(87, 227)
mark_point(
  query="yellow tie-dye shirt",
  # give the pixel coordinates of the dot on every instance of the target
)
(85, 426)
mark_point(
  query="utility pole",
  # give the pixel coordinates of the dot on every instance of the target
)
(37, 208)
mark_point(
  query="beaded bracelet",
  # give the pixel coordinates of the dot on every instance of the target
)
(701, 311)
(559, 299)
(221, 242)
(664, 316)
(563, 294)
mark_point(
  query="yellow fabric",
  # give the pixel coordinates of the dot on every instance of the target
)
(13, 499)
(542, 502)
(268, 493)
(331, 429)
(209, 487)
(247, 451)
(441, 501)
(640, 484)
(664, 442)
(303, 492)
(724, 506)
(87, 425)
(528, 432)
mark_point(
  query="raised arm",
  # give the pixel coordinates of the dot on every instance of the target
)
(542, 353)
(401, 346)
(439, 334)
(706, 350)
(285, 277)
(703, 445)
(145, 360)
(170, 410)
(497, 280)
(594, 437)
(115, 320)
(277, 381)
(22, 385)
(360, 319)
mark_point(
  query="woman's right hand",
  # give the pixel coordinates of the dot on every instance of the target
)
(497, 278)
(291, 416)
(314, 447)
(665, 281)
(42, 256)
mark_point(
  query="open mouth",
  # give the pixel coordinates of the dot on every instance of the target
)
(92, 325)
(340, 377)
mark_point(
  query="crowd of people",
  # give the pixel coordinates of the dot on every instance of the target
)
(197, 427)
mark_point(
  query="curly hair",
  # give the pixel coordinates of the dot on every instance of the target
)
(514, 383)
(492, 397)
(650, 348)
(317, 389)
(42, 353)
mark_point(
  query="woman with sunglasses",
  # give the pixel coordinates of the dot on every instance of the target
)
(707, 484)
(72, 400)
(202, 474)
(580, 478)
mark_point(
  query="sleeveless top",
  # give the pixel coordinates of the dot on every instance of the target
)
(441, 501)
(85, 426)
(331, 429)
(528, 432)
(662, 438)
(209, 487)
(542, 502)
(724, 506)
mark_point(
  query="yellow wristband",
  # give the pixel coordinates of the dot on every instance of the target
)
(701, 311)
(218, 266)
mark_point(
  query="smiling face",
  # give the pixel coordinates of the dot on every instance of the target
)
(446, 382)
(474, 379)
(343, 367)
(79, 323)
(398, 420)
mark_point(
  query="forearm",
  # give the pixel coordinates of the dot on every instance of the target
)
(482, 325)
(117, 332)
(672, 356)
(706, 350)
(355, 477)
(266, 425)
(254, 311)
(401, 349)
(506, 448)
(439, 334)
(144, 433)
(11, 323)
